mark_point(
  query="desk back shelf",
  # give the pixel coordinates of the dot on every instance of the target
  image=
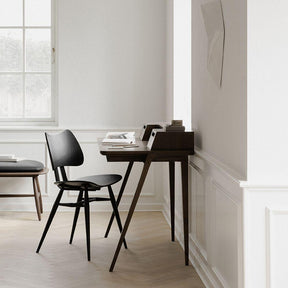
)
(161, 140)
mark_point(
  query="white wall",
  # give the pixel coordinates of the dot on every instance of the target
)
(219, 120)
(266, 192)
(112, 74)
(112, 62)
(169, 62)
(267, 92)
(219, 116)
(250, 218)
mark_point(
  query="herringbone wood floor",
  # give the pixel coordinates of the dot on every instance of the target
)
(151, 260)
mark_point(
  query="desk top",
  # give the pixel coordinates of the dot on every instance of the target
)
(140, 148)
(140, 153)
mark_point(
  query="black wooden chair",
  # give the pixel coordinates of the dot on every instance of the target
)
(65, 150)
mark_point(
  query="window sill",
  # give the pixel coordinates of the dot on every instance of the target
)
(27, 126)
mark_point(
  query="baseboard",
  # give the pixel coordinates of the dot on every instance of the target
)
(30, 207)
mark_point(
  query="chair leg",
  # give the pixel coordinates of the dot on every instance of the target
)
(116, 212)
(51, 216)
(77, 210)
(87, 222)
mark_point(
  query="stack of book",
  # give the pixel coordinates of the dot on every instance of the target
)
(176, 126)
(8, 158)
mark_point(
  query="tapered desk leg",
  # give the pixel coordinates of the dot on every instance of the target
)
(131, 210)
(119, 196)
(172, 198)
(184, 172)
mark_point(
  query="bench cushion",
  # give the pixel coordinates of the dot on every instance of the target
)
(21, 166)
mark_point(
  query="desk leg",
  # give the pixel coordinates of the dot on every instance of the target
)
(119, 196)
(172, 198)
(131, 210)
(184, 172)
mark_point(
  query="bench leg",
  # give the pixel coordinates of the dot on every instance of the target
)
(36, 197)
(40, 195)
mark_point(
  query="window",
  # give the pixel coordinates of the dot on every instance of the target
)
(182, 61)
(26, 64)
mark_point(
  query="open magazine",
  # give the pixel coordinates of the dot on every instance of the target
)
(120, 138)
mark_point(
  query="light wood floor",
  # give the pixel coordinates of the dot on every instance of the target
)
(151, 260)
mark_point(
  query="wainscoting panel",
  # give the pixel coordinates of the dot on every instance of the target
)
(266, 236)
(215, 200)
(277, 239)
(198, 211)
(225, 260)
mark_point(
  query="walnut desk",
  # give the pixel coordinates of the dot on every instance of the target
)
(145, 155)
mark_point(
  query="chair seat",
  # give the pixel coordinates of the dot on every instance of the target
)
(102, 180)
(92, 183)
(21, 166)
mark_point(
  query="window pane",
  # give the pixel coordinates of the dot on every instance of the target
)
(11, 51)
(38, 13)
(11, 12)
(38, 50)
(38, 96)
(11, 96)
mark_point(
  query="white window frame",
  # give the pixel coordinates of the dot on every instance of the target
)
(54, 88)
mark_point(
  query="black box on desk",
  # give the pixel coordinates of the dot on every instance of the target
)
(147, 129)
(161, 140)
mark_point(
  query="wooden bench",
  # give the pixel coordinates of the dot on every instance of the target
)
(25, 168)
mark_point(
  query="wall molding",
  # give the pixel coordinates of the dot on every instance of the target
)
(25, 129)
(229, 172)
(269, 214)
(264, 188)
(212, 168)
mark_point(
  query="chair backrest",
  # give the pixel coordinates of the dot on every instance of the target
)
(64, 150)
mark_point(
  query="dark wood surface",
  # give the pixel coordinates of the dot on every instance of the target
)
(139, 154)
(173, 141)
(172, 197)
(145, 155)
(121, 191)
